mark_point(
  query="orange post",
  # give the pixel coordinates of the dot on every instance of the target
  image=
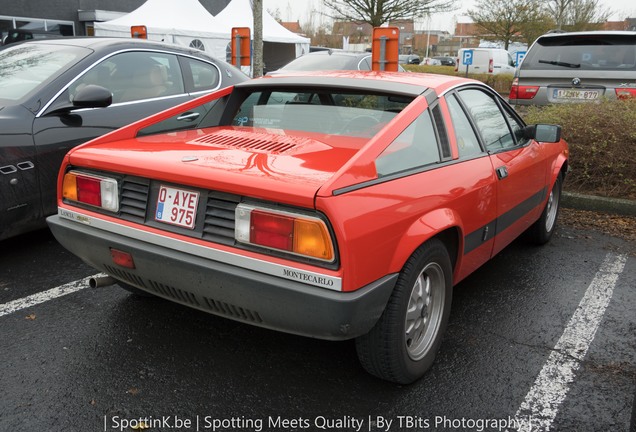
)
(385, 49)
(241, 47)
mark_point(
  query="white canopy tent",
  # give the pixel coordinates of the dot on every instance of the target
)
(279, 44)
(183, 22)
(188, 23)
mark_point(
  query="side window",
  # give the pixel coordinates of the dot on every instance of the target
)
(511, 62)
(133, 76)
(365, 63)
(204, 75)
(467, 142)
(416, 146)
(488, 118)
(516, 127)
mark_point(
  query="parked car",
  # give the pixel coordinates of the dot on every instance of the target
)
(48, 92)
(17, 35)
(487, 60)
(409, 59)
(577, 67)
(331, 59)
(336, 205)
(445, 60)
(431, 61)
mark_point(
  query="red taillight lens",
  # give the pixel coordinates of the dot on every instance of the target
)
(89, 191)
(625, 93)
(272, 230)
(522, 92)
(491, 66)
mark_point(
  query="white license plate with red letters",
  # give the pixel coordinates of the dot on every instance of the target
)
(177, 207)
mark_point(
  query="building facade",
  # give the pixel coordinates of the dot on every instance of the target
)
(72, 17)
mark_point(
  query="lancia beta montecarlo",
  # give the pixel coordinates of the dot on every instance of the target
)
(336, 205)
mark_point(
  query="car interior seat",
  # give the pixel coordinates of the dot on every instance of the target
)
(147, 83)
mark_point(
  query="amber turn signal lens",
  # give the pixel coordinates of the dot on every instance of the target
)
(312, 239)
(69, 187)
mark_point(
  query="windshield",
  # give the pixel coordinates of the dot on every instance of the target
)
(352, 114)
(583, 52)
(26, 68)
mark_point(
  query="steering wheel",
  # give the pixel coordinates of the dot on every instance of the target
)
(361, 123)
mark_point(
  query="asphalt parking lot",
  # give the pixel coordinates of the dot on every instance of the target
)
(540, 338)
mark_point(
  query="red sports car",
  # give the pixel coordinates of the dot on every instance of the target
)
(337, 205)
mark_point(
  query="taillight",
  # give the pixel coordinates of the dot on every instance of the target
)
(91, 189)
(491, 66)
(625, 93)
(522, 92)
(284, 231)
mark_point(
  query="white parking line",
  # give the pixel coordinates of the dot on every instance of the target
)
(540, 407)
(41, 297)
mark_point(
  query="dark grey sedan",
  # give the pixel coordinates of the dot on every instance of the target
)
(331, 59)
(56, 94)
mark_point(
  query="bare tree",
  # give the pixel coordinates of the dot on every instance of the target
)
(257, 11)
(559, 9)
(586, 15)
(504, 20)
(531, 30)
(577, 15)
(378, 12)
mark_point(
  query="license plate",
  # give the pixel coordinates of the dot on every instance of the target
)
(570, 94)
(177, 207)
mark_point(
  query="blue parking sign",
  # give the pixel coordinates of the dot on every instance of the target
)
(519, 57)
(467, 57)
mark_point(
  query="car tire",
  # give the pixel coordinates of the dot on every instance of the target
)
(134, 290)
(403, 343)
(541, 231)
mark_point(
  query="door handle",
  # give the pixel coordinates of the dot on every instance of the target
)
(502, 172)
(188, 116)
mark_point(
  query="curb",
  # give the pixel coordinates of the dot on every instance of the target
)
(617, 206)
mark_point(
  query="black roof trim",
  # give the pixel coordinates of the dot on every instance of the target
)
(330, 82)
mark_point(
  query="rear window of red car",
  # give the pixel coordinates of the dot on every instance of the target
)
(352, 114)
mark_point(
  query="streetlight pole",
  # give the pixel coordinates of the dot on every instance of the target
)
(428, 33)
(257, 49)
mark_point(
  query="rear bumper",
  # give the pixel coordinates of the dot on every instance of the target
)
(227, 290)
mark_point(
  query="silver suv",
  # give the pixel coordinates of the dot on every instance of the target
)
(577, 67)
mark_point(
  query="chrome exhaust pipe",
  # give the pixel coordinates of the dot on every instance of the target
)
(101, 281)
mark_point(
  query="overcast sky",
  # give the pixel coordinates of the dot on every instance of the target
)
(300, 10)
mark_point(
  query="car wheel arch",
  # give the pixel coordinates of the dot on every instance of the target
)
(444, 224)
(561, 167)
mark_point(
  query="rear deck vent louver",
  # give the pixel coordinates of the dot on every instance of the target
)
(252, 141)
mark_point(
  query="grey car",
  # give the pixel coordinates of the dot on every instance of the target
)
(331, 59)
(577, 67)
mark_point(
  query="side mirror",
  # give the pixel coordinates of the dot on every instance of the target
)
(543, 133)
(93, 96)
